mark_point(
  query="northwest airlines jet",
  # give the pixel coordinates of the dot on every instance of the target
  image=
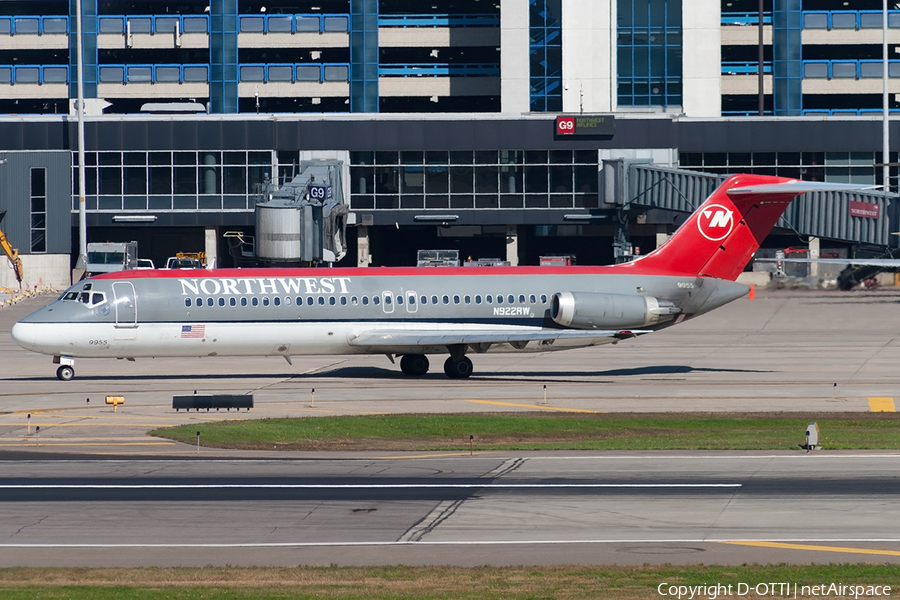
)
(415, 312)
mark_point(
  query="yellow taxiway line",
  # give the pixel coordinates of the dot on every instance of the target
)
(538, 406)
(816, 548)
(881, 405)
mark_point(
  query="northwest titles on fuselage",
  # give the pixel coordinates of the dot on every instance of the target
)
(246, 286)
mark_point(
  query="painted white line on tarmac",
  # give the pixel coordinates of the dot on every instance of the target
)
(456, 543)
(353, 486)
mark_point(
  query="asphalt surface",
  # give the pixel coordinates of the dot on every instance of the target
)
(90, 488)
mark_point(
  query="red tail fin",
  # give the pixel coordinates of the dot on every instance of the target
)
(720, 238)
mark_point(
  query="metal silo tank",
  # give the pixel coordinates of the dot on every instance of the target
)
(278, 232)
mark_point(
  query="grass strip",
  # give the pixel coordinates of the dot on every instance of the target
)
(542, 431)
(425, 583)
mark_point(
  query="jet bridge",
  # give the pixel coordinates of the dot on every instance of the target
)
(629, 184)
(304, 222)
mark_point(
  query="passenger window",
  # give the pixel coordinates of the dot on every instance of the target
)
(232, 301)
(532, 299)
(365, 300)
(187, 302)
(477, 299)
(521, 298)
(455, 299)
(412, 300)
(309, 301)
(254, 301)
(321, 301)
(499, 299)
(543, 298)
(343, 300)
(399, 299)
(434, 300)
(243, 302)
(354, 300)
(331, 300)
(209, 301)
(299, 300)
(376, 300)
(276, 301)
(489, 299)
(265, 300)
(199, 301)
(446, 299)
(221, 301)
(387, 300)
(287, 300)
(467, 299)
(510, 298)
(423, 300)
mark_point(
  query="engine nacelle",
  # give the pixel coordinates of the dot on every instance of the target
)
(586, 310)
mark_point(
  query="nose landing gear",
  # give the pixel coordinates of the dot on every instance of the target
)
(65, 373)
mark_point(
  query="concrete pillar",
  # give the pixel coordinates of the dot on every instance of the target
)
(589, 55)
(702, 58)
(515, 61)
(512, 245)
(363, 255)
(211, 238)
(814, 253)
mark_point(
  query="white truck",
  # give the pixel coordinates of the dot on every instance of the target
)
(106, 257)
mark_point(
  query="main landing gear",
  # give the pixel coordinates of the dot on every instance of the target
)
(416, 365)
(458, 368)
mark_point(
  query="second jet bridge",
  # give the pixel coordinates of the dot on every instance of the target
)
(628, 184)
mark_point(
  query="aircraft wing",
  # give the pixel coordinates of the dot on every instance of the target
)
(480, 339)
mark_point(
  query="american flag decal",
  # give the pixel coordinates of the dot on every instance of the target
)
(193, 331)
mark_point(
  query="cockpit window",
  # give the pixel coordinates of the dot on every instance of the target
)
(70, 296)
(98, 298)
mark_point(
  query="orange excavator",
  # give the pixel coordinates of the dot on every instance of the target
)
(12, 254)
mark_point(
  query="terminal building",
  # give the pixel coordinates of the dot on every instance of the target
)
(508, 129)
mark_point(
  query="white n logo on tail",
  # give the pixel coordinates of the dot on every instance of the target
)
(715, 222)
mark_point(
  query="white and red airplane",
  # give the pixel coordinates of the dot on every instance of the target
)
(416, 312)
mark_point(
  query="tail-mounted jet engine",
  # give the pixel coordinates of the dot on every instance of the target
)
(586, 310)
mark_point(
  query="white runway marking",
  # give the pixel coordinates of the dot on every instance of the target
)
(460, 543)
(354, 486)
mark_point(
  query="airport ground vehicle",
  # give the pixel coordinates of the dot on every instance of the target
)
(109, 257)
(411, 312)
(12, 254)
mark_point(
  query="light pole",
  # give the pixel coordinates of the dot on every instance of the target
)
(81, 263)
(885, 125)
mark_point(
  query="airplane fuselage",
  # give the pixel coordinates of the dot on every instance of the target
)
(290, 312)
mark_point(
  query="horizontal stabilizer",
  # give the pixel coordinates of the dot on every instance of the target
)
(797, 187)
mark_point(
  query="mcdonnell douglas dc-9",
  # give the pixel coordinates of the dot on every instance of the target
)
(412, 313)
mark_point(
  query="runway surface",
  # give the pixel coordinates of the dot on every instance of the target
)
(488, 509)
(90, 488)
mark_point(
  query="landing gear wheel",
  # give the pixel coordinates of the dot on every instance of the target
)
(414, 365)
(65, 373)
(458, 369)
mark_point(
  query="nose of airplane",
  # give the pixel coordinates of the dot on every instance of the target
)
(24, 335)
